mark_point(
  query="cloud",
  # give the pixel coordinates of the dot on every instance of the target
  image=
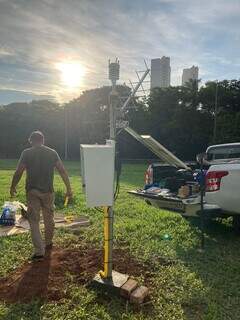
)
(10, 95)
(35, 35)
(4, 52)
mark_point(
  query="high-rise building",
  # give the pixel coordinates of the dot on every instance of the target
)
(189, 74)
(160, 72)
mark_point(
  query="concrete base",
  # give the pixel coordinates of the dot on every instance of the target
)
(113, 284)
(122, 285)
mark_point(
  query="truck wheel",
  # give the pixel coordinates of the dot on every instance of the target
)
(236, 224)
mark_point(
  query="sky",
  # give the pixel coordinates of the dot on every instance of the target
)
(55, 49)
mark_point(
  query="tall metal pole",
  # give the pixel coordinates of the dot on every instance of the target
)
(109, 211)
(109, 214)
(215, 113)
(112, 118)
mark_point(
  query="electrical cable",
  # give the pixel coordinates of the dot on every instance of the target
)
(118, 169)
(117, 189)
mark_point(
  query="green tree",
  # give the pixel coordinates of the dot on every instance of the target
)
(18, 120)
(177, 122)
(228, 107)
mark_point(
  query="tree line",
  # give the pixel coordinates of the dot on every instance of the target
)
(181, 118)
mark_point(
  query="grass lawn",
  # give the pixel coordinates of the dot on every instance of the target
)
(184, 283)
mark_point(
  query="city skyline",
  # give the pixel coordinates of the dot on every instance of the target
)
(56, 49)
(160, 72)
(190, 74)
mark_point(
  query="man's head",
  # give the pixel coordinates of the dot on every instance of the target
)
(36, 138)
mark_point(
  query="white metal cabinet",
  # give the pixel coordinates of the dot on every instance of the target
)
(97, 169)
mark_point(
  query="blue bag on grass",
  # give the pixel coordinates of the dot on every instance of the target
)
(7, 217)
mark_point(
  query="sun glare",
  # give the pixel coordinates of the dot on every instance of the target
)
(71, 73)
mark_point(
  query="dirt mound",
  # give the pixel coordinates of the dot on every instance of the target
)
(46, 279)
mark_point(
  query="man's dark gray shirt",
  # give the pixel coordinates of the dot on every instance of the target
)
(39, 162)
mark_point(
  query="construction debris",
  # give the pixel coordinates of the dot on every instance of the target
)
(22, 224)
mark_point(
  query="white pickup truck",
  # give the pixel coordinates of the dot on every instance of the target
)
(223, 179)
(172, 184)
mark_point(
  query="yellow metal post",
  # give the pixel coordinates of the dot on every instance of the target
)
(106, 273)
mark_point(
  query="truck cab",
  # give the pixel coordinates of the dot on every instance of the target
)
(223, 177)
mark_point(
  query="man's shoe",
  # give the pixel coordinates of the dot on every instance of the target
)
(49, 246)
(37, 257)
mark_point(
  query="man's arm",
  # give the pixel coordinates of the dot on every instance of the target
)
(16, 178)
(63, 173)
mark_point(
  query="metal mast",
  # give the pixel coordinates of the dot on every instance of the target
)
(114, 68)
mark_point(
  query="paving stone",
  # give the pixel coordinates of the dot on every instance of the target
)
(139, 294)
(128, 288)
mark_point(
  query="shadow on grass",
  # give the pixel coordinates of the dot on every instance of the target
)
(214, 227)
(32, 286)
(217, 265)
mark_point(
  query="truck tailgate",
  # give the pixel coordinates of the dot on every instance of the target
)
(186, 207)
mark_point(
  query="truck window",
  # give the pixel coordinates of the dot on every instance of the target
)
(227, 152)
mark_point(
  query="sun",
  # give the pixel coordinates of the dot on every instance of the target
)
(72, 73)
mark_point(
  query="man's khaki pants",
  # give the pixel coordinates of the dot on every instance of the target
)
(37, 201)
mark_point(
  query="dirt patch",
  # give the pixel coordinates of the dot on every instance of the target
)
(47, 279)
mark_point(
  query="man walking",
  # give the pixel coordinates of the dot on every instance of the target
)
(39, 162)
